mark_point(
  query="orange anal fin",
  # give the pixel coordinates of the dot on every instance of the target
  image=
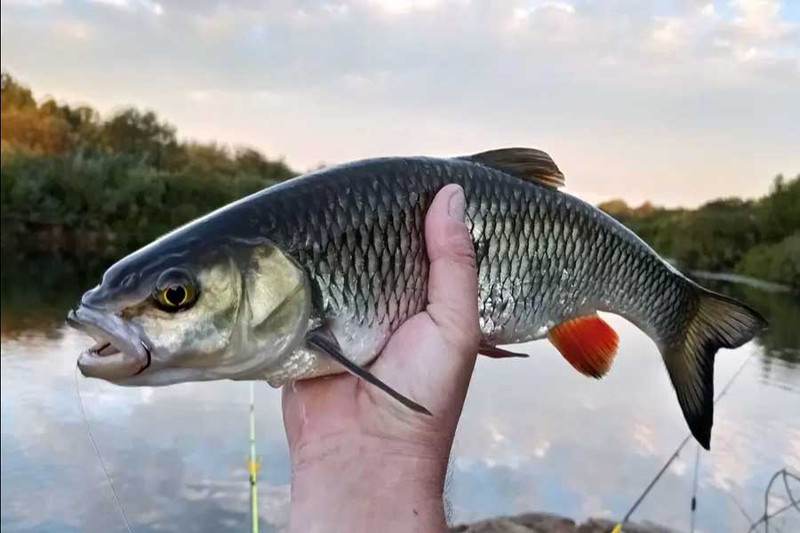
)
(588, 343)
(497, 353)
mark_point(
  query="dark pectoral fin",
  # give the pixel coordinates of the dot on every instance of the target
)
(326, 343)
(497, 353)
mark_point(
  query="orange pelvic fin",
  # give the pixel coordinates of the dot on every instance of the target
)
(497, 353)
(588, 343)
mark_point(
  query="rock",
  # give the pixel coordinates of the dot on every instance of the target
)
(493, 525)
(550, 523)
(545, 523)
(603, 525)
(524, 523)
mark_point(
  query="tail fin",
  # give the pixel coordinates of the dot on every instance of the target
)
(718, 322)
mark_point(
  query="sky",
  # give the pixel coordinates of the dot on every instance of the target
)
(673, 101)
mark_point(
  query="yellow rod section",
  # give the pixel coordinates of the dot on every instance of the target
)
(252, 463)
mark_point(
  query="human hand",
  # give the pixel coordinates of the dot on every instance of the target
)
(360, 460)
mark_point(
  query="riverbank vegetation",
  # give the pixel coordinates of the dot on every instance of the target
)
(73, 180)
(758, 238)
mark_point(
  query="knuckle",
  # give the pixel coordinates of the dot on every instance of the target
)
(461, 327)
(461, 250)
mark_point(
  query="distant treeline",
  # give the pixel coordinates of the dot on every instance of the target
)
(758, 238)
(72, 179)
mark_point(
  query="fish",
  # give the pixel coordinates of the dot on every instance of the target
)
(310, 277)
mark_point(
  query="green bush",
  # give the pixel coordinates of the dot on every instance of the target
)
(118, 200)
(779, 262)
(757, 238)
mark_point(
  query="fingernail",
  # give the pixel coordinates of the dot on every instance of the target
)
(457, 204)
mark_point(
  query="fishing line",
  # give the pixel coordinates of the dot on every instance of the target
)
(97, 452)
(649, 487)
(741, 508)
(793, 502)
(786, 476)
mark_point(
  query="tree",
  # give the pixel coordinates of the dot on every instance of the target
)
(131, 131)
(14, 95)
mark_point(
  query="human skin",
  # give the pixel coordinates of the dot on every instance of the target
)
(360, 460)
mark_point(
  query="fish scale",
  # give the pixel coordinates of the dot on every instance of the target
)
(344, 247)
(523, 286)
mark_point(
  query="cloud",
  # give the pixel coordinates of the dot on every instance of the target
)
(401, 7)
(525, 12)
(133, 5)
(119, 4)
(73, 30)
(669, 32)
(198, 96)
(154, 7)
(188, 475)
(708, 10)
(268, 97)
(792, 455)
(552, 20)
(616, 89)
(31, 3)
(760, 18)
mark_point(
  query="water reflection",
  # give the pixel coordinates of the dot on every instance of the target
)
(782, 339)
(534, 436)
(38, 287)
(177, 454)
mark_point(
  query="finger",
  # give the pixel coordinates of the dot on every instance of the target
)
(453, 279)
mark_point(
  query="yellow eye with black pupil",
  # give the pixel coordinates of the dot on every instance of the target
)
(175, 290)
(175, 295)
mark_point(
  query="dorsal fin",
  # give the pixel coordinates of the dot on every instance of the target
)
(528, 164)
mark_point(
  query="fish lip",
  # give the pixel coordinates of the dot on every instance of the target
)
(149, 358)
(129, 355)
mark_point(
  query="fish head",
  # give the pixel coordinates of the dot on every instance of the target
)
(191, 310)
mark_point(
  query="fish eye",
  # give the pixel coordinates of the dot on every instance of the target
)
(175, 290)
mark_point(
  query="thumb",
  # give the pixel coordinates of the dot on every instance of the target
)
(453, 277)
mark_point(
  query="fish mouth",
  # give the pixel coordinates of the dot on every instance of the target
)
(119, 351)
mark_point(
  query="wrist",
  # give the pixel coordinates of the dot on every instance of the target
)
(367, 484)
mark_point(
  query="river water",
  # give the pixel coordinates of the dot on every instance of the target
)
(534, 436)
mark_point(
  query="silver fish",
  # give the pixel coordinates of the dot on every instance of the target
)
(311, 276)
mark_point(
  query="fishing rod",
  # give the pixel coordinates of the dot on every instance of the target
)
(252, 463)
(649, 487)
(694, 486)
